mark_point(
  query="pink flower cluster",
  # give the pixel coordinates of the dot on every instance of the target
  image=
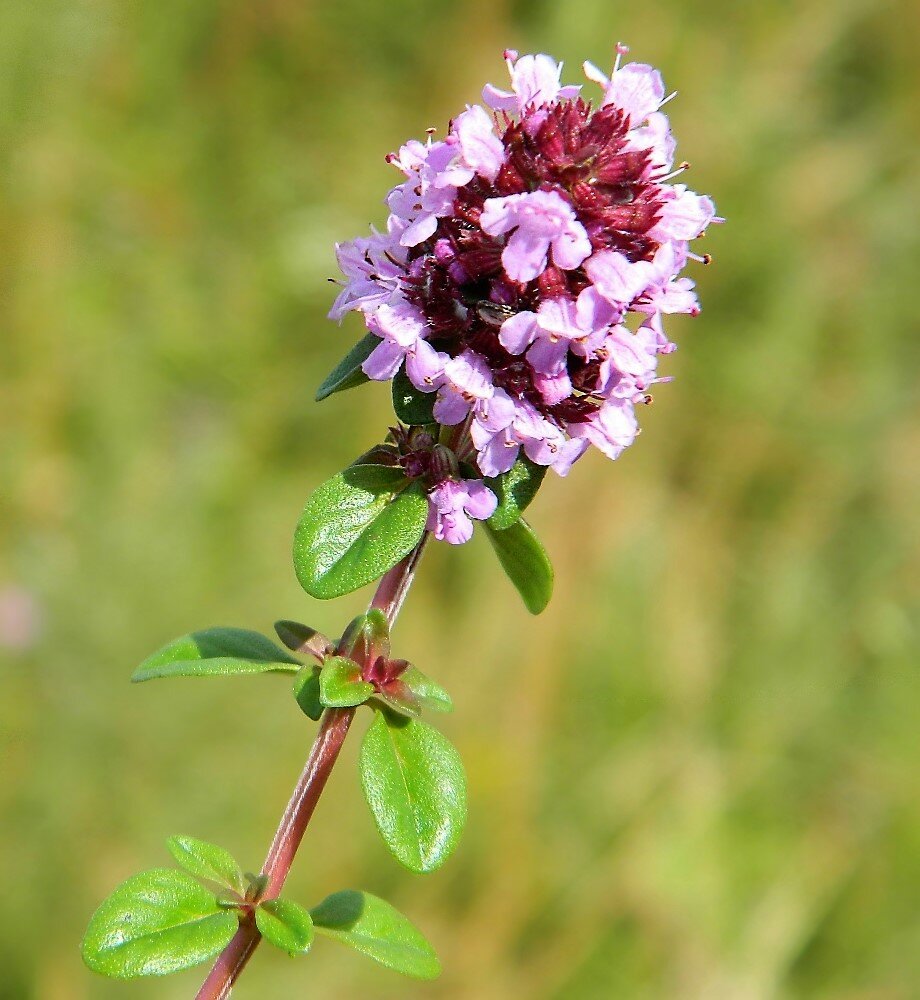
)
(528, 261)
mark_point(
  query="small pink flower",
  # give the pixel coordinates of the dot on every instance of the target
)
(630, 364)
(402, 329)
(481, 150)
(452, 504)
(634, 88)
(616, 278)
(612, 429)
(559, 325)
(373, 266)
(541, 221)
(683, 216)
(428, 194)
(654, 136)
(493, 433)
(534, 82)
(467, 378)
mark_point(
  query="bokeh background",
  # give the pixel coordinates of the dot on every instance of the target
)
(696, 774)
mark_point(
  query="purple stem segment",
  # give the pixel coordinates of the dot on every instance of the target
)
(388, 598)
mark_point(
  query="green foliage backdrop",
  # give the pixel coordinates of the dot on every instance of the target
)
(702, 779)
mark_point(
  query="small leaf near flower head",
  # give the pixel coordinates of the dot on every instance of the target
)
(410, 404)
(340, 684)
(157, 922)
(376, 929)
(380, 454)
(286, 925)
(216, 652)
(413, 691)
(306, 692)
(415, 786)
(347, 373)
(429, 694)
(366, 637)
(207, 861)
(525, 562)
(515, 490)
(258, 883)
(303, 639)
(355, 527)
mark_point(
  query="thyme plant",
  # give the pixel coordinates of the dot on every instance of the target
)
(515, 301)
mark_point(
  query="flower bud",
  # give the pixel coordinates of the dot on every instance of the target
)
(444, 463)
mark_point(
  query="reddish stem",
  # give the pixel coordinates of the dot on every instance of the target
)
(389, 597)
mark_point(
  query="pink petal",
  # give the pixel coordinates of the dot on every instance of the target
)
(383, 362)
(637, 89)
(518, 331)
(481, 501)
(424, 366)
(525, 256)
(618, 279)
(572, 247)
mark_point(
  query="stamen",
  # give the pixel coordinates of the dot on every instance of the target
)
(670, 97)
(621, 50)
(679, 169)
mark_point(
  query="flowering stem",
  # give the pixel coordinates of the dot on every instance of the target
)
(389, 597)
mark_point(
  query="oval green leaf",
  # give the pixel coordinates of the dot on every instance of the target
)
(286, 925)
(411, 405)
(366, 637)
(348, 373)
(216, 652)
(525, 562)
(157, 922)
(429, 694)
(355, 527)
(303, 639)
(340, 684)
(415, 786)
(207, 861)
(376, 929)
(515, 490)
(306, 692)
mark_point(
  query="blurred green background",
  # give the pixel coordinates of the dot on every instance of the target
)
(696, 774)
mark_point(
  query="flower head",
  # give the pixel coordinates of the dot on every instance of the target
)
(529, 259)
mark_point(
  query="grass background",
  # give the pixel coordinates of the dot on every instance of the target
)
(696, 774)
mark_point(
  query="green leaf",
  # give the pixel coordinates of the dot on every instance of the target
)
(347, 373)
(515, 490)
(303, 639)
(415, 786)
(370, 925)
(366, 637)
(355, 527)
(340, 684)
(157, 922)
(306, 692)
(207, 861)
(216, 652)
(429, 694)
(258, 883)
(412, 691)
(286, 925)
(411, 405)
(525, 561)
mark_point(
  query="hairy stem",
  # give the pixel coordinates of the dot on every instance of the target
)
(389, 597)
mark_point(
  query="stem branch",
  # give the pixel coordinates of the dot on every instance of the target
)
(388, 598)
